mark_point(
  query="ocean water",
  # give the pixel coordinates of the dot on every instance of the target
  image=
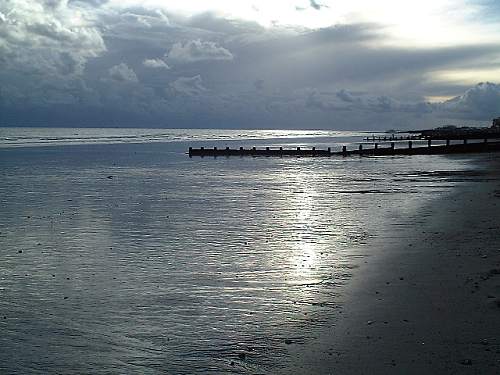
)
(120, 254)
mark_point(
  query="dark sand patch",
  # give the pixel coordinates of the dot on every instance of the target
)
(428, 302)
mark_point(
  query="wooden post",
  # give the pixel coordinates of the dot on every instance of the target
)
(267, 148)
(410, 145)
(376, 146)
(314, 151)
(344, 150)
(447, 143)
(329, 150)
(429, 142)
(392, 147)
(190, 152)
(360, 148)
(298, 148)
(227, 151)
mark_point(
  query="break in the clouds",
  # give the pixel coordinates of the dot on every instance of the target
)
(285, 64)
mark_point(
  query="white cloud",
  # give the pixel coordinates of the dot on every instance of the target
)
(48, 37)
(155, 64)
(123, 73)
(197, 50)
(190, 86)
(479, 102)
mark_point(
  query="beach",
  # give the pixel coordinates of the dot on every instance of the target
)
(428, 301)
(133, 257)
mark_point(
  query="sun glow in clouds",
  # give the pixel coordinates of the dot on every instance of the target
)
(467, 76)
(426, 22)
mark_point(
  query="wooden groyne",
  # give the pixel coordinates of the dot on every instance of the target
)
(393, 137)
(362, 150)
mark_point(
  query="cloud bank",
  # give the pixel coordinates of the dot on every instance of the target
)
(100, 63)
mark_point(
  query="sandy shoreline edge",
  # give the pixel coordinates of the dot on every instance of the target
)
(428, 303)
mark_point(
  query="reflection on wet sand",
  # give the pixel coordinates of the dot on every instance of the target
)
(203, 266)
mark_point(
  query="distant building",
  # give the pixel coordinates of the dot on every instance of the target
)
(496, 123)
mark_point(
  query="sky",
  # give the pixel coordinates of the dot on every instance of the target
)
(292, 64)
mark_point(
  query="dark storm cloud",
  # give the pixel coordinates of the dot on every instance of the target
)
(210, 22)
(147, 66)
(312, 4)
(344, 58)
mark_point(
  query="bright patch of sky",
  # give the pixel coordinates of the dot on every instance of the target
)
(422, 23)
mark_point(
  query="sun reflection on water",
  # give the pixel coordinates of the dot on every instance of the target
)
(303, 256)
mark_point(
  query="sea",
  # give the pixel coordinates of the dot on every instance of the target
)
(120, 254)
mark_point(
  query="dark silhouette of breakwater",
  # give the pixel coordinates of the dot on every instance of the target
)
(362, 150)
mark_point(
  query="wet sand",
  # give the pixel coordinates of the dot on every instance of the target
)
(428, 302)
(120, 273)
